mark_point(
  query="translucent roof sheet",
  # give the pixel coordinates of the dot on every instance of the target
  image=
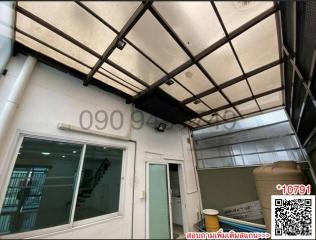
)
(50, 52)
(215, 100)
(222, 64)
(121, 86)
(198, 107)
(248, 107)
(237, 91)
(109, 70)
(114, 13)
(271, 100)
(131, 60)
(155, 41)
(237, 13)
(70, 17)
(258, 46)
(42, 33)
(266, 80)
(136, 46)
(195, 23)
(176, 90)
(193, 79)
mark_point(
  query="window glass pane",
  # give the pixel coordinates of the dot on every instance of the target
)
(73, 20)
(6, 32)
(258, 46)
(41, 187)
(151, 37)
(100, 183)
(222, 64)
(237, 13)
(195, 23)
(131, 60)
(266, 80)
(193, 79)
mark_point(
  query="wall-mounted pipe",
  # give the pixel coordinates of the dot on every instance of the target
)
(15, 96)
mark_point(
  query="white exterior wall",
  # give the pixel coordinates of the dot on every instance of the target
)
(53, 97)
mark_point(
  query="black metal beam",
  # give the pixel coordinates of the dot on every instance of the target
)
(309, 82)
(242, 101)
(209, 50)
(125, 30)
(234, 50)
(234, 81)
(293, 49)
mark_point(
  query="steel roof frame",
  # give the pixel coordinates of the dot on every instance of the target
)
(147, 5)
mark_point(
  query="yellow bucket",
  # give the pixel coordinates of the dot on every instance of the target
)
(211, 220)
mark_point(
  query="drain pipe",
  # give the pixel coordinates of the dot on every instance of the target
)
(15, 96)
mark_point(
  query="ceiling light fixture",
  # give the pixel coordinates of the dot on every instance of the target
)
(120, 44)
(170, 82)
(197, 101)
(161, 127)
(45, 153)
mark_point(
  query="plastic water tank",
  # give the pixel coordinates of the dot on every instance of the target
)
(267, 177)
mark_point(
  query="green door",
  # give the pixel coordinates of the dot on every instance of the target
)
(158, 205)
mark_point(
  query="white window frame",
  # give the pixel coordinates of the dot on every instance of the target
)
(119, 144)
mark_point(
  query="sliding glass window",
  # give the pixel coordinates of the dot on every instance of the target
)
(55, 182)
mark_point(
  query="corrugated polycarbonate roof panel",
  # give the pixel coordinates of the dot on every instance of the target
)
(258, 46)
(194, 22)
(222, 64)
(151, 37)
(266, 80)
(114, 13)
(42, 33)
(132, 61)
(74, 21)
(237, 13)
(193, 79)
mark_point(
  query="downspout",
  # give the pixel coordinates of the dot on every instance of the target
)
(15, 96)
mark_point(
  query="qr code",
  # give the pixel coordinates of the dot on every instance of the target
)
(293, 217)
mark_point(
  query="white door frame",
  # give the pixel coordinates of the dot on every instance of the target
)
(167, 161)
